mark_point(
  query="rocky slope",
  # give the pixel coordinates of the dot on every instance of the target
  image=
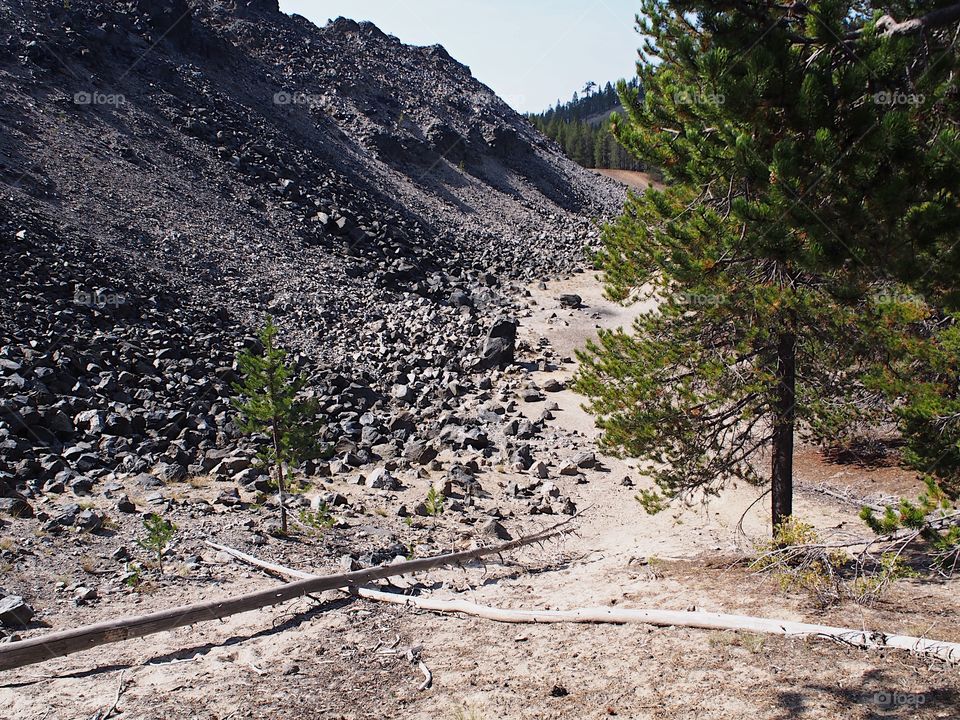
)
(171, 171)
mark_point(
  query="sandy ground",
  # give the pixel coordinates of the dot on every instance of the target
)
(344, 659)
(632, 179)
(678, 560)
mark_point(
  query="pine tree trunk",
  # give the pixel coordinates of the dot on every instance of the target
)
(781, 476)
(276, 449)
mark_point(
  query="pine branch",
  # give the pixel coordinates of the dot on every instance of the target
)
(889, 27)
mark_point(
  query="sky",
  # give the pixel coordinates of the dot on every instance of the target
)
(531, 52)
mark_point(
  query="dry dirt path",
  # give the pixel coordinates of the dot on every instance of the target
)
(632, 179)
(679, 559)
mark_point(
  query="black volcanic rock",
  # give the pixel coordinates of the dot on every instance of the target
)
(500, 345)
(174, 170)
(172, 18)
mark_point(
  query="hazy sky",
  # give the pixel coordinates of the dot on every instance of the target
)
(531, 52)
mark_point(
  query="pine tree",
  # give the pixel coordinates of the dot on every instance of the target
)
(601, 152)
(798, 193)
(268, 404)
(566, 123)
(159, 534)
(921, 378)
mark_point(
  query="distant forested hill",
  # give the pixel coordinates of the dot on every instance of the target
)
(582, 128)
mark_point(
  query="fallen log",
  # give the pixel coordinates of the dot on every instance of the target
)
(65, 642)
(865, 639)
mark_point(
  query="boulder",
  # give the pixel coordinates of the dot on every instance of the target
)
(383, 479)
(89, 520)
(330, 499)
(16, 507)
(531, 395)
(403, 393)
(494, 529)
(419, 453)
(458, 298)
(247, 477)
(230, 466)
(500, 345)
(148, 481)
(585, 459)
(170, 472)
(14, 612)
(81, 485)
(229, 497)
(58, 421)
(89, 421)
(552, 385)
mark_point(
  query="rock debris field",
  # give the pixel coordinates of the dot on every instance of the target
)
(173, 173)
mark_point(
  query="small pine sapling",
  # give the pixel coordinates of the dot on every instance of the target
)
(269, 405)
(318, 520)
(434, 502)
(159, 534)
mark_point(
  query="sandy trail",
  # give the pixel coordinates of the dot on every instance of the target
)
(621, 555)
(632, 179)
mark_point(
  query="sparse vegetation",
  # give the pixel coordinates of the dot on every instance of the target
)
(199, 482)
(269, 406)
(159, 534)
(434, 502)
(467, 713)
(318, 520)
(134, 575)
(932, 518)
(800, 559)
(750, 641)
(651, 501)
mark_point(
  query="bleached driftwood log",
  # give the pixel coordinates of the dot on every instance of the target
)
(865, 639)
(65, 642)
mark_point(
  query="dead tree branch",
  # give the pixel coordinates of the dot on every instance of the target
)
(889, 27)
(65, 642)
(864, 639)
